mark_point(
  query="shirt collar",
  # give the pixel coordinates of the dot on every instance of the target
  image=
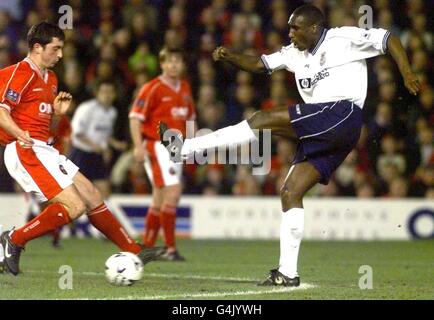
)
(318, 44)
(167, 83)
(42, 74)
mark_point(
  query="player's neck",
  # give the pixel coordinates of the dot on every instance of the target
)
(317, 40)
(37, 63)
(174, 82)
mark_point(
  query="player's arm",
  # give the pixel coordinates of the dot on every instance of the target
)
(242, 61)
(95, 147)
(117, 144)
(398, 54)
(136, 136)
(8, 124)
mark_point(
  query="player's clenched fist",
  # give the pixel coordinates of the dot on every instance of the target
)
(220, 53)
(62, 103)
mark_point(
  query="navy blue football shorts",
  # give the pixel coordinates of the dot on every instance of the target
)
(327, 133)
(91, 164)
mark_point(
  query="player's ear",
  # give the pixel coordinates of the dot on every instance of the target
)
(37, 47)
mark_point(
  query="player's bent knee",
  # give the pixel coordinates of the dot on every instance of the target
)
(258, 120)
(75, 209)
(171, 200)
(290, 198)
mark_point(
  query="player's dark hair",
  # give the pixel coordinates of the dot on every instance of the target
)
(312, 14)
(165, 52)
(101, 82)
(43, 33)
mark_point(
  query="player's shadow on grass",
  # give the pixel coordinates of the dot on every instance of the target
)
(239, 281)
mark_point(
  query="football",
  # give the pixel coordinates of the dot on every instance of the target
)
(123, 269)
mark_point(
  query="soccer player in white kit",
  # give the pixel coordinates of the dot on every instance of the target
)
(92, 136)
(331, 76)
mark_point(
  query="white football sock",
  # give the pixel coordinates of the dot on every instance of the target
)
(230, 136)
(291, 232)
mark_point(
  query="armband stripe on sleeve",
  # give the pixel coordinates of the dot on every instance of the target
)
(136, 115)
(266, 64)
(5, 106)
(386, 36)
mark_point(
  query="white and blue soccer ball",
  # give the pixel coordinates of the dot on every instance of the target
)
(123, 269)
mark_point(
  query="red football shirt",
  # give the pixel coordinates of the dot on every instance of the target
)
(60, 133)
(29, 96)
(159, 101)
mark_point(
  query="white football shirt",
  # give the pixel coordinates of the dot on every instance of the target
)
(336, 68)
(94, 121)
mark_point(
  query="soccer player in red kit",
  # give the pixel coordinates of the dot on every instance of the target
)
(165, 98)
(28, 102)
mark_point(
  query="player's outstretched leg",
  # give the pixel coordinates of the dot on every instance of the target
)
(277, 120)
(103, 219)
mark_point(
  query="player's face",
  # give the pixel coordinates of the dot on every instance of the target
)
(52, 53)
(301, 33)
(173, 66)
(106, 94)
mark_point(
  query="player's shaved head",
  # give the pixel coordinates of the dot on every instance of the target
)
(311, 14)
(306, 25)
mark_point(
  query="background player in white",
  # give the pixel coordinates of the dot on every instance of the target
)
(331, 76)
(92, 136)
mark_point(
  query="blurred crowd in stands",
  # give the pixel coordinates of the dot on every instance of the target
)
(120, 39)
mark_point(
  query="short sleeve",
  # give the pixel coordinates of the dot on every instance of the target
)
(16, 82)
(143, 102)
(374, 39)
(283, 59)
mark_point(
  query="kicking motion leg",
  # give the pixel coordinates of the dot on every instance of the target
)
(102, 219)
(277, 120)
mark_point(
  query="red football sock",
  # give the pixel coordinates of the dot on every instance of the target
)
(152, 227)
(168, 220)
(53, 217)
(102, 219)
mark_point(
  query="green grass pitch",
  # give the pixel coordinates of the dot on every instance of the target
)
(229, 269)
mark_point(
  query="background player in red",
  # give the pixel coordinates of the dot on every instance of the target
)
(28, 101)
(164, 98)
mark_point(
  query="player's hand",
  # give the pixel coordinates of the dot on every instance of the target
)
(62, 103)
(24, 140)
(220, 53)
(412, 83)
(107, 155)
(139, 154)
(119, 145)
